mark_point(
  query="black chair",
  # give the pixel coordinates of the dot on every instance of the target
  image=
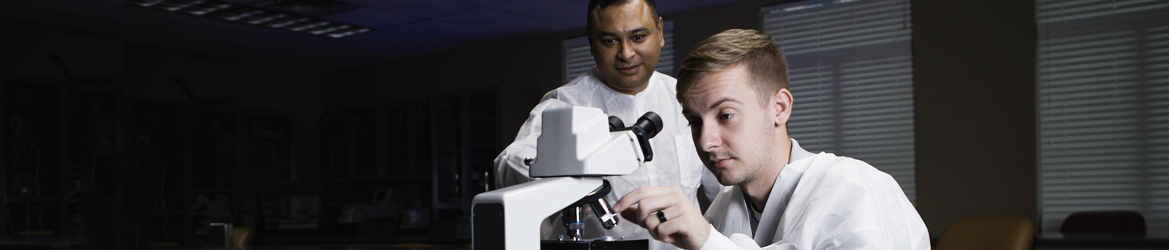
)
(1110, 224)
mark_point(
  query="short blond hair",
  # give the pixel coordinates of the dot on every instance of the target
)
(763, 59)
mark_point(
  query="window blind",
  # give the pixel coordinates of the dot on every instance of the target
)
(579, 59)
(1103, 100)
(852, 79)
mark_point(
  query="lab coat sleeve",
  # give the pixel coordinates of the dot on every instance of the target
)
(718, 241)
(509, 165)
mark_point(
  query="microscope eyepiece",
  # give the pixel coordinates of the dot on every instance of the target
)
(650, 122)
(647, 126)
(615, 123)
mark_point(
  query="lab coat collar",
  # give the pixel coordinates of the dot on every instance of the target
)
(781, 193)
(798, 153)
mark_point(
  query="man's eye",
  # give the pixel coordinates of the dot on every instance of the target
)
(609, 41)
(725, 116)
(639, 37)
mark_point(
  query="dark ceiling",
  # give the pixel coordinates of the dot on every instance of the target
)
(397, 27)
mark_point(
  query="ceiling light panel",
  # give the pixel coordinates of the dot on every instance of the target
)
(254, 16)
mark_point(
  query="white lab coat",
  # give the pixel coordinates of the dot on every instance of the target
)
(820, 201)
(675, 162)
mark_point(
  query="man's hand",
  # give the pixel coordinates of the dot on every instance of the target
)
(684, 226)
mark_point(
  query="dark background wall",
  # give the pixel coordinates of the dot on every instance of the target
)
(974, 89)
(25, 47)
(521, 68)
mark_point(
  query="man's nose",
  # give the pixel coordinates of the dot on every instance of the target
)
(626, 52)
(709, 138)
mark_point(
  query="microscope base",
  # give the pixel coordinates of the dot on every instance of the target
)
(594, 244)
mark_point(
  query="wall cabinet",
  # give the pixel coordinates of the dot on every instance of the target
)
(239, 161)
(86, 161)
(36, 197)
(431, 155)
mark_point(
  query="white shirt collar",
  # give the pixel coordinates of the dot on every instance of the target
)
(798, 153)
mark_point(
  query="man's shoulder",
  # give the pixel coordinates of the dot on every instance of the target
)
(582, 82)
(826, 166)
(587, 78)
(665, 77)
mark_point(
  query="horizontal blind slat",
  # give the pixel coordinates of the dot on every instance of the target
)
(851, 80)
(1100, 95)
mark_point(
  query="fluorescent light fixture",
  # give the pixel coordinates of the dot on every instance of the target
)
(260, 19)
(253, 16)
(237, 13)
(307, 25)
(286, 21)
(143, 3)
(348, 32)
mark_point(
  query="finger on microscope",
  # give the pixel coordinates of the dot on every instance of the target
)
(637, 195)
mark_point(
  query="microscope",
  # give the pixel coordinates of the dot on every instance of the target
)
(576, 148)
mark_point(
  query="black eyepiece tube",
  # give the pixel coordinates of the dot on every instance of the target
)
(650, 122)
(615, 123)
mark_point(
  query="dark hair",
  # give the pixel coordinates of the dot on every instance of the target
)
(599, 5)
(725, 50)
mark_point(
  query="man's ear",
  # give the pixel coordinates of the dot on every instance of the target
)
(661, 32)
(782, 106)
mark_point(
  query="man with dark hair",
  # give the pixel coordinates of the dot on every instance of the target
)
(625, 46)
(734, 91)
(626, 40)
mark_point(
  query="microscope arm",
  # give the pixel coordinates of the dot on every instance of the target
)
(577, 146)
(519, 210)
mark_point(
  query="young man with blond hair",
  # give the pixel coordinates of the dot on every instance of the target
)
(734, 91)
